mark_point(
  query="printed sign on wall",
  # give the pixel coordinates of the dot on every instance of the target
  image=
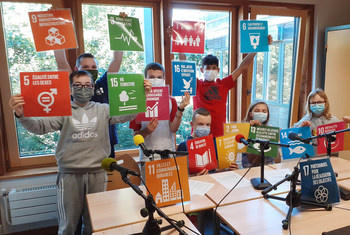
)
(157, 105)
(162, 180)
(126, 94)
(188, 37)
(184, 78)
(201, 154)
(53, 30)
(46, 94)
(254, 36)
(124, 33)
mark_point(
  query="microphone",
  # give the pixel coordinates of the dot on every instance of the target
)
(139, 141)
(295, 136)
(240, 139)
(110, 164)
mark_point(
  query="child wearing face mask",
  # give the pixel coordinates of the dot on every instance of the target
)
(318, 112)
(83, 144)
(201, 122)
(258, 114)
(159, 135)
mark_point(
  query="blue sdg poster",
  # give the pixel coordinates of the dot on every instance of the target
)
(318, 182)
(254, 36)
(184, 78)
(297, 148)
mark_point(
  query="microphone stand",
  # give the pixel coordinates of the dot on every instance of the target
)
(261, 183)
(164, 154)
(330, 137)
(152, 225)
(293, 198)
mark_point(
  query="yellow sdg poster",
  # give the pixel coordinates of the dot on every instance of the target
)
(235, 128)
(163, 182)
(227, 150)
(347, 137)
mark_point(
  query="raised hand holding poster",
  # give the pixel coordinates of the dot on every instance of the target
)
(53, 30)
(46, 94)
(124, 33)
(188, 37)
(226, 147)
(184, 78)
(157, 105)
(297, 148)
(238, 128)
(336, 145)
(201, 154)
(265, 133)
(254, 36)
(126, 94)
(163, 182)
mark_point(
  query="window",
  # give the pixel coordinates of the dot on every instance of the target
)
(273, 70)
(217, 41)
(95, 25)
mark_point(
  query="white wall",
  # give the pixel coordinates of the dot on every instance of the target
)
(328, 13)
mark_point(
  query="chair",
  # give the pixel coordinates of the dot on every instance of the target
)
(114, 178)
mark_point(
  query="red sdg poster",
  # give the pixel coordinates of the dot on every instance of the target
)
(46, 94)
(157, 105)
(338, 144)
(188, 37)
(201, 154)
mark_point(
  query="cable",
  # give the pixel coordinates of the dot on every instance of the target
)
(178, 176)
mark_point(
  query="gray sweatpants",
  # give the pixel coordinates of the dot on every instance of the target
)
(71, 199)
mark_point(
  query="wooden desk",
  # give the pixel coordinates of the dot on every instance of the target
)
(136, 228)
(262, 216)
(121, 207)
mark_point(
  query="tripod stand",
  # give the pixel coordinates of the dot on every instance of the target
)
(293, 198)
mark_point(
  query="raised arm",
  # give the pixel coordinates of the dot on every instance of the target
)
(114, 66)
(245, 63)
(61, 60)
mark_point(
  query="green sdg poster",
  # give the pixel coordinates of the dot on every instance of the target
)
(265, 133)
(126, 94)
(124, 33)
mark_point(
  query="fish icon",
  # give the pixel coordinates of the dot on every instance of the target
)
(297, 150)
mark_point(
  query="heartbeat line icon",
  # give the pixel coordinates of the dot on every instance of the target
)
(126, 38)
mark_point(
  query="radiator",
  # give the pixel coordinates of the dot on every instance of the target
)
(31, 204)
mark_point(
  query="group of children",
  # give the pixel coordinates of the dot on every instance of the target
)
(79, 159)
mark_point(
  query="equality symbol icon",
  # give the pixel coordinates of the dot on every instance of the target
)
(46, 99)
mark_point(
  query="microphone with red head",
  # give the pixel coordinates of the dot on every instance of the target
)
(240, 139)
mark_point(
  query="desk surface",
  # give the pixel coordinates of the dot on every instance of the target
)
(135, 228)
(120, 207)
(264, 216)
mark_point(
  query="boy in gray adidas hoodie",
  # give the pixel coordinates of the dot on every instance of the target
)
(83, 144)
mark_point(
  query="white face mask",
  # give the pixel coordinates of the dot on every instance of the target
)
(156, 81)
(210, 75)
(260, 116)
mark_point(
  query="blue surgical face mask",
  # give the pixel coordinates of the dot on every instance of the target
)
(317, 108)
(201, 131)
(260, 116)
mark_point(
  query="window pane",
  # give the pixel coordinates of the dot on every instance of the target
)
(22, 57)
(217, 31)
(95, 24)
(273, 71)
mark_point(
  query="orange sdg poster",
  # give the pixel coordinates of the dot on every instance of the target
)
(226, 147)
(163, 182)
(238, 128)
(53, 30)
(46, 94)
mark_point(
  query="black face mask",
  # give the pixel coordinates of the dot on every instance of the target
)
(94, 74)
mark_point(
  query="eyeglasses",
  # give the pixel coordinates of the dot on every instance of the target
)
(86, 86)
(317, 102)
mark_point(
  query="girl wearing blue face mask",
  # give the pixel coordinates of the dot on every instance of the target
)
(317, 112)
(258, 114)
